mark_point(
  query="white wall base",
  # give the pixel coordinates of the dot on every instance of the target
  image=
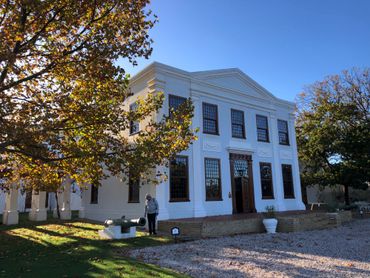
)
(81, 213)
(114, 232)
(10, 217)
(37, 215)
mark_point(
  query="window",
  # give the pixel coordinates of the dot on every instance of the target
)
(210, 121)
(266, 180)
(134, 125)
(134, 190)
(94, 194)
(288, 181)
(213, 179)
(262, 129)
(237, 124)
(174, 102)
(179, 179)
(283, 132)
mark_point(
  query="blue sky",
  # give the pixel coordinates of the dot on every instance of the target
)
(282, 44)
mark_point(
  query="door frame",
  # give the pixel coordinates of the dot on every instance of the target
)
(247, 190)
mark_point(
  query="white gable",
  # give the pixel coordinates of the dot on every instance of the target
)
(236, 80)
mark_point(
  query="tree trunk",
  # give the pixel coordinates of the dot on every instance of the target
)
(56, 197)
(346, 194)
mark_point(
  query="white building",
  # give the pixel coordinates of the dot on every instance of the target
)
(244, 160)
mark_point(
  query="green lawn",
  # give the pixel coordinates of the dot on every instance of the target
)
(71, 249)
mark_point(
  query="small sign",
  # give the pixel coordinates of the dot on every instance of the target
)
(175, 231)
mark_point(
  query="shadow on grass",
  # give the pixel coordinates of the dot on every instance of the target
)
(71, 249)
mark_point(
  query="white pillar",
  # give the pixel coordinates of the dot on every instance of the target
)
(295, 168)
(65, 211)
(38, 211)
(10, 214)
(198, 176)
(276, 169)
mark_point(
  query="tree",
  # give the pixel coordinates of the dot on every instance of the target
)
(62, 93)
(333, 131)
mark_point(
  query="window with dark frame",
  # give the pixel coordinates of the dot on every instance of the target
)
(174, 102)
(237, 124)
(134, 125)
(266, 180)
(210, 119)
(262, 128)
(179, 179)
(94, 194)
(134, 190)
(283, 132)
(213, 179)
(288, 181)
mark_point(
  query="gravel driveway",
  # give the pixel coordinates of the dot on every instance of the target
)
(339, 252)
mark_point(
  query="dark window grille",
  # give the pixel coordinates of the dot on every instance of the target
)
(94, 194)
(213, 179)
(134, 125)
(262, 129)
(283, 132)
(134, 190)
(174, 102)
(266, 180)
(210, 119)
(179, 179)
(237, 124)
(288, 181)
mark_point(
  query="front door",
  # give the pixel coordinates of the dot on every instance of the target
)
(242, 183)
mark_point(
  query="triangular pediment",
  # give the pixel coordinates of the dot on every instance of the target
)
(236, 80)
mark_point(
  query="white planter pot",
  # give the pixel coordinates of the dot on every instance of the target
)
(270, 225)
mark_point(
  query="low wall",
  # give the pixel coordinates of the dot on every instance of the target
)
(198, 228)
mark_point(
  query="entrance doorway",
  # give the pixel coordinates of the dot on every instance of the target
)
(242, 183)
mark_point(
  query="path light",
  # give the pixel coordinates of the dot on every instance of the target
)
(175, 232)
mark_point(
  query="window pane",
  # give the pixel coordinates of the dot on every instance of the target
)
(175, 102)
(266, 181)
(210, 124)
(94, 194)
(213, 179)
(262, 128)
(134, 190)
(283, 132)
(261, 122)
(262, 135)
(237, 123)
(288, 180)
(179, 182)
(134, 125)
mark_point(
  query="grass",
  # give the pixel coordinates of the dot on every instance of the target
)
(72, 248)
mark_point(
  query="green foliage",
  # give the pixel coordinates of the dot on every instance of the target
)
(62, 94)
(270, 212)
(333, 131)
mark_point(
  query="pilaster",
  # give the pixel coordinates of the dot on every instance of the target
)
(276, 169)
(198, 184)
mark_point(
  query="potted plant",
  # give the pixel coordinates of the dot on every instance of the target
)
(270, 222)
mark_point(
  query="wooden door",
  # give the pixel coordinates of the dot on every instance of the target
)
(242, 183)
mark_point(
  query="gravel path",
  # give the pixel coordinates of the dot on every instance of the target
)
(340, 252)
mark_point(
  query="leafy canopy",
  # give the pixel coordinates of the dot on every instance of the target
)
(333, 130)
(62, 93)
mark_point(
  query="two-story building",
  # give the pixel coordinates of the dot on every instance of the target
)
(245, 157)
